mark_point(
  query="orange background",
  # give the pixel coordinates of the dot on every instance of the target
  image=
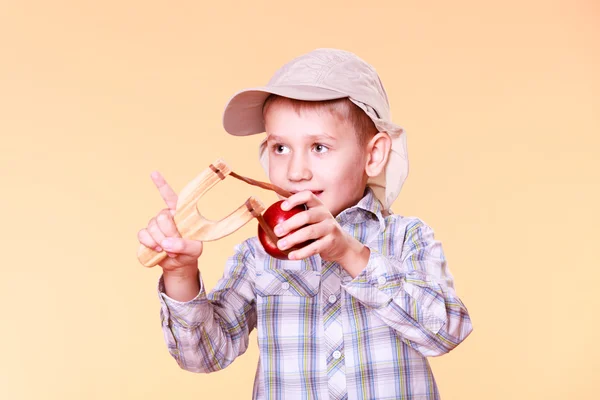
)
(501, 102)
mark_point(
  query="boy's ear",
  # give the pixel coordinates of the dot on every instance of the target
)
(378, 150)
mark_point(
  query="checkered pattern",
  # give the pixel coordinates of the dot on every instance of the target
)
(322, 334)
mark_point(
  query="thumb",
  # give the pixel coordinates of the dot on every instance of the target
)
(182, 246)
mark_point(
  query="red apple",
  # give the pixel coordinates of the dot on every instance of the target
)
(273, 216)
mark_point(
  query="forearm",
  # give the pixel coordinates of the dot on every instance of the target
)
(428, 315)
(432, 329)
(203, 337)
(182, 285)
(205, 333)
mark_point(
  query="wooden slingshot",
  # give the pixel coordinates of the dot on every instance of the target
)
(192, 225)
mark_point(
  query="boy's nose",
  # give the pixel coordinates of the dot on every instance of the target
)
(299, 169)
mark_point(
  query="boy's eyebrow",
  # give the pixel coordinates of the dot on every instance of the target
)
(316, 137)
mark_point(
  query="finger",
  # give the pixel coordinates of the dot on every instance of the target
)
(307, 251)
(305, 197)
(309, 232)
(146, 239)
(166, 192)
(157, 235)
(172, 255)
(192, 248)
(166, 224)
(310, 216)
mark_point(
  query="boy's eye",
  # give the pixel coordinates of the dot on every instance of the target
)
(280, 149)
(320, 148)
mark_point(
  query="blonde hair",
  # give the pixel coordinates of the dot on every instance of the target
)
(343, 109)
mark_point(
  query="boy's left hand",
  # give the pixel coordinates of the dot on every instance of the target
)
(331, 242)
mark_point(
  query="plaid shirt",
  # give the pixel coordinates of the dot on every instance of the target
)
(322, 334)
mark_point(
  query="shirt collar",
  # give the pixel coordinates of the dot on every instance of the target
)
(367, 206)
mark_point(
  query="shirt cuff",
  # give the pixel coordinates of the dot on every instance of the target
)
(186, 314)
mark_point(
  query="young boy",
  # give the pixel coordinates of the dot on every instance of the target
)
(354, 314)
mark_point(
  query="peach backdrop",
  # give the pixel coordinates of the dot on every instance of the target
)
(501, 102)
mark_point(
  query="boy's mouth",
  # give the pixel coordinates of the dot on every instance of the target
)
(315, 192)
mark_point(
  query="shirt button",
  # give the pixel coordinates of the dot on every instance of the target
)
(285, 286)
(337, 354)
(381, 280)
(332, 299)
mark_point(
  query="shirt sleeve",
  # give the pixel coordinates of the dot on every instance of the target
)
(208, 332)
(413, 293)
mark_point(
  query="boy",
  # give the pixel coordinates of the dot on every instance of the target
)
(354, 314)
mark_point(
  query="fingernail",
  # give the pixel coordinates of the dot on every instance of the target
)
(285, 205)
(278, 230)
(282, 244)
(157, 248)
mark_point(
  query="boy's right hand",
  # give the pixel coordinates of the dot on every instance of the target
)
(162, 234)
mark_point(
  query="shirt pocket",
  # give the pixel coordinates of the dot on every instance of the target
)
(282, 282)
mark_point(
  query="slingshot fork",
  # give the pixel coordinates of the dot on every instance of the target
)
(190, 222)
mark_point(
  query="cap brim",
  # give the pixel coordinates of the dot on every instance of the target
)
(243, 113)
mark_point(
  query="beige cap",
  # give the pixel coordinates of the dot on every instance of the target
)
(326, 74)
